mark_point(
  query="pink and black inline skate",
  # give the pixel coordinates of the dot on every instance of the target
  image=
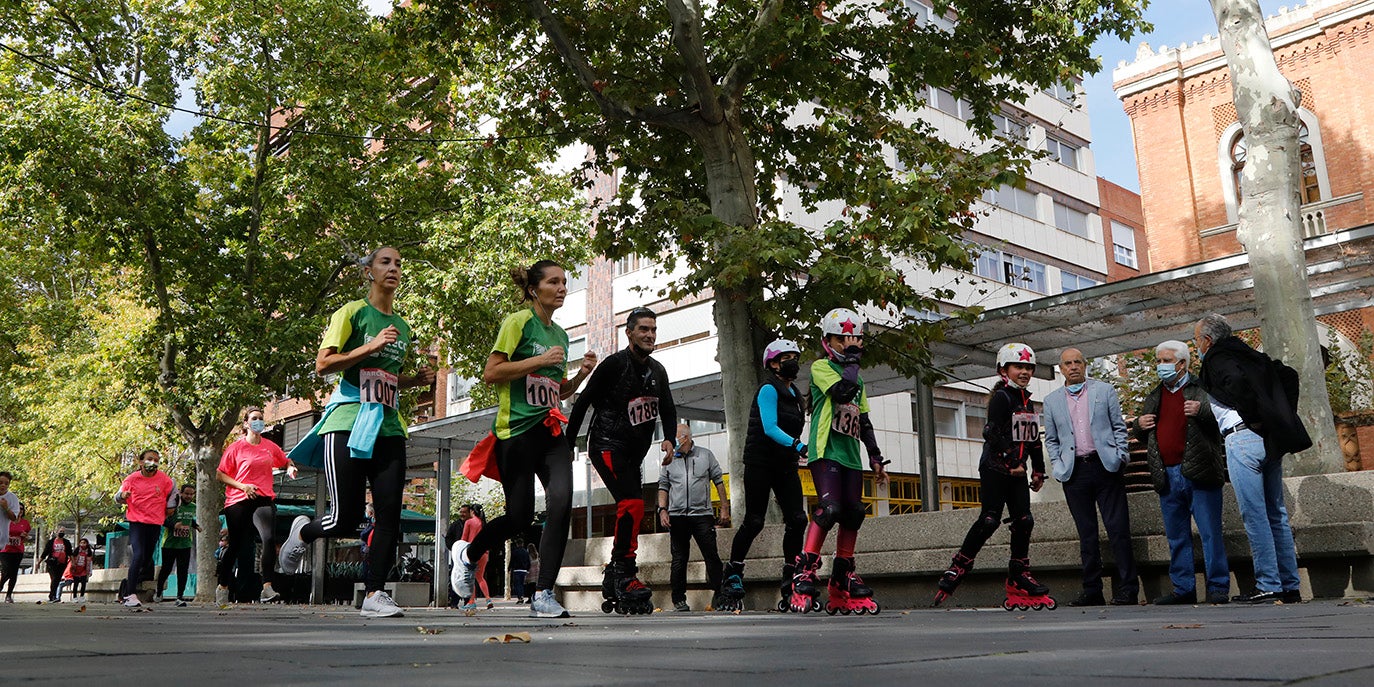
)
(949, 581)
(805, 591)
(847, 592)
(1023, 591)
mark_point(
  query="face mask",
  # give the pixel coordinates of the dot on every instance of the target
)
(1075, 388)
(1166, 371)
(789, 369)
(257, 425)
(149, 466)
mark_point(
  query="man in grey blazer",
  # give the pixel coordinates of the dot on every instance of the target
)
(1085, 440)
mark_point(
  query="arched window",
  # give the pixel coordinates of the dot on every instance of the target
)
(1309, 187)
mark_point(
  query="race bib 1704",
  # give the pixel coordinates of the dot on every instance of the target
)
(643, 409)
(1025, 427)
(541, 392)
(846, 420)
(378, 386)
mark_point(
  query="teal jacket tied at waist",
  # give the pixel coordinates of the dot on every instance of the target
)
(310, 450)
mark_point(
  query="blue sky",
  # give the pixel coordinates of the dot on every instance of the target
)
(1176, 22)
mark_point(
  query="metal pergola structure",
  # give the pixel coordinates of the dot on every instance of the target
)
(1104, 320)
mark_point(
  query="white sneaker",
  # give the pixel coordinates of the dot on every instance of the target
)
(131, 601)
(157, 598)
(293, 551)
(268, 594)
(543, 605)
(221, 595)
(461, 575)
(380, 605)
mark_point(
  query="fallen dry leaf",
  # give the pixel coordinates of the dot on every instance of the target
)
(429, 630)
(509, 638)
(82, 609)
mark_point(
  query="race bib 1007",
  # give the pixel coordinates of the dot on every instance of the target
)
(643, 409)
(846, 420)
(1025, 427)
(541, 392)
(378, 386)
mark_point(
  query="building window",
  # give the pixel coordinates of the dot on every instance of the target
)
(1012, 270)
(975, 418)
(1066, 153)
(1073, 282)
(1310, 185)
(577, 279)
(1071, 220)
(1063, 92)
(945, 102)
(946, 419)
(1019, 201)
(631, 263)
(1006, 127)
(1123, 245)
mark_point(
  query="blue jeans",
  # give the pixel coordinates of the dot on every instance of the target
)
(1184, 503)
(1258, 482)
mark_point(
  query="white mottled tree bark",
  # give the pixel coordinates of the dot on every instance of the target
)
(1271, 223)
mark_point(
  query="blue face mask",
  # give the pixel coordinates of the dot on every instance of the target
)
(1167, 371)
(257, 425)
(1075, 388)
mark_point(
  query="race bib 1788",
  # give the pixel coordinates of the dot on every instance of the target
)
(643, 409)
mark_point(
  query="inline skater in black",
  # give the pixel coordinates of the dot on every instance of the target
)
(627, 393)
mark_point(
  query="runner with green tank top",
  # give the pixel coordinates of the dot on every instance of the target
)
(176, 544)
(528, 367)
(361, 440)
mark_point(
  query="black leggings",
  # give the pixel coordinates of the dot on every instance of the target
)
(79, 585)
(784, 484)
(9, 570)
(240, 520)
(622, 472)
(181, 560)
(521, 459)
(999, 489)
(143, 538)
(347, 479)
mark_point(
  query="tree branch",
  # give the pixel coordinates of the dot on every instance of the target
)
(743, 67)
(686, 19)
(577, 62)
(80, 35)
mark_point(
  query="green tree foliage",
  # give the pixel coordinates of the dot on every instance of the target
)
(1350, 374)
(240, 235)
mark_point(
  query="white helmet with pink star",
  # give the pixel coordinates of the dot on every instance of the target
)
(842, 322)
(1015, 353)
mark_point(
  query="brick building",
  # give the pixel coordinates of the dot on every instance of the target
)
(1190, 149)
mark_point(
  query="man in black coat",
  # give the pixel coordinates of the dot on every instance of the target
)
(1255, 401)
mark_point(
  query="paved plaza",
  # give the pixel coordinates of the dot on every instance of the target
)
(1315, 643)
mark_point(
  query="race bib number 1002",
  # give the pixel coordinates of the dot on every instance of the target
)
(643, 409)
(846, 420)
(378, 386)
(541, 392)
(1025, 427)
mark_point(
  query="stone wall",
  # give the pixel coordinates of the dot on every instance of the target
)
(902, 556)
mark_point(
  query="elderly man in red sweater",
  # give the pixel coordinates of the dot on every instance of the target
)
(1188, 468)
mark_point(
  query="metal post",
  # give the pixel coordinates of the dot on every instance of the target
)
(441, 518)
(317, 562)
(925, 436)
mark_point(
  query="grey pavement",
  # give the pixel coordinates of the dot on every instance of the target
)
(1314, 643)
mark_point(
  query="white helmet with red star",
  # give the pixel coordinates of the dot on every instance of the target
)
(1015, 353)
(842, 322)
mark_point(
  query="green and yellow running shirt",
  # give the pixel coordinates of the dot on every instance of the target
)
(524, 402)
(352, 326)
(834, 429)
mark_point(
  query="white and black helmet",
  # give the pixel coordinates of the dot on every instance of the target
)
(842, 322)
(777, 348)
(1015, 353)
